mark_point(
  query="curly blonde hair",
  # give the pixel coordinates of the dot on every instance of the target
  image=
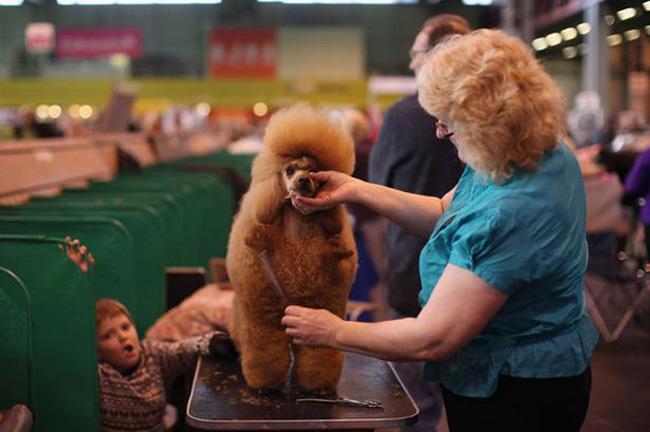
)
(504, 109)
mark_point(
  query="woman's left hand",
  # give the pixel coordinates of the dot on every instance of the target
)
(311, 326)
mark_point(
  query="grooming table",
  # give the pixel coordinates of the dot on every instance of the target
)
(220, 399)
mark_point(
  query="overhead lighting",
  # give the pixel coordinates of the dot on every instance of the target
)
(627, 13)
(42, 112)
(260, 109)
(553, 39)
(610, 20)
(631, 35)
(54, 111)
(614, 39)
(11, 2)
(583, 28)
(570, 52)
(339, 1)
(73, 111)
(569, 33)
(646, 6)
(85, 111)
(134, 2)
(203, 109)
(539, 44)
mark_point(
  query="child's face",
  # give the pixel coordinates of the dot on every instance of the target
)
(117, 342)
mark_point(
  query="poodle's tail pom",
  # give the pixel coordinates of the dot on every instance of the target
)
(303, 130)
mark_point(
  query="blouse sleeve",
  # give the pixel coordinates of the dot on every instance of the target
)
(497, 248)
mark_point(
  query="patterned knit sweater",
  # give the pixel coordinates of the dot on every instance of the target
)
(136, 402)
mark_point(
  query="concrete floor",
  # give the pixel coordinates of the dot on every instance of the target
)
(620, 394)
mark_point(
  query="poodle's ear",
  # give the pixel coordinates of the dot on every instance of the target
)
(268, 197)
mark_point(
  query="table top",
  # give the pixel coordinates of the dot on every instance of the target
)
(220, 399)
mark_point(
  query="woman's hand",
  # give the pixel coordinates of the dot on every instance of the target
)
(336, 188)
(311, 326)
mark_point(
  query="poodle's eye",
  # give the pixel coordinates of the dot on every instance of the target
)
(290, 171)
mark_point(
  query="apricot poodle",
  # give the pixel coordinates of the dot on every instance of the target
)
(314, 256)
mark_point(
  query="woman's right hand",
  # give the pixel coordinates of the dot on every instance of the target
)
(335, 188)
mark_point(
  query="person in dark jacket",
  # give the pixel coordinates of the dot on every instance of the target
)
(637, 183)
(408, 156)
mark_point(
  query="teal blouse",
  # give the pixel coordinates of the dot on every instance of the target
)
(526, 238)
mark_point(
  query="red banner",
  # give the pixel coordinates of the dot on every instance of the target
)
(243, 53)
(98, 42)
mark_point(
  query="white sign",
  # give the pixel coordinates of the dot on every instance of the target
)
(39, 37)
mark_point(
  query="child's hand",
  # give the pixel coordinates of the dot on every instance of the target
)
(78, 254)
(221, 346)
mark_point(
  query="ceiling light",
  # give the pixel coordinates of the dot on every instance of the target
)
(260, 109)
(134, 2)
(553, 39)
(569, 33)
(646, 6)
(626, 13)
(614, 39)
(42, 112)
(11, 2)
(631, 35)
(569, 52)
(583, 28)
(203, 109)
(85, 111)
(338, 1)
(539, 44)
(54, 111)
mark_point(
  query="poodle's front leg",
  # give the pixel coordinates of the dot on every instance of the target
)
(262, 237)
(316, 368)
(331, 220)
(265, 357)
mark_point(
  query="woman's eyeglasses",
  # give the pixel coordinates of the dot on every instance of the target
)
(414, 53)
(443, 129)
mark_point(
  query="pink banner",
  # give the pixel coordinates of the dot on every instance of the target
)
(98, 42)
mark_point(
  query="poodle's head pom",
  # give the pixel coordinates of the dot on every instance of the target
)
(301, 130)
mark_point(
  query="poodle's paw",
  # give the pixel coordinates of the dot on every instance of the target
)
(260, 238)
(317, 369)
(331, 223)
(336, 249)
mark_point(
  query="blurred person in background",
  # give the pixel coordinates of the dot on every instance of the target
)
(367, 222)
(408, 156)
(586, 119)
(637, 184)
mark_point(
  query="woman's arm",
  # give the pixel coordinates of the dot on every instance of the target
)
(460, 306)
(413, 212)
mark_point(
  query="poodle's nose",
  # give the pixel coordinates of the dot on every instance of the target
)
(303, 181)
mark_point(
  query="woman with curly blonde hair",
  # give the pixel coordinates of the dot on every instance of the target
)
(503, 328)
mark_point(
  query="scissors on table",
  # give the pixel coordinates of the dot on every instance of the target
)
(367, 403)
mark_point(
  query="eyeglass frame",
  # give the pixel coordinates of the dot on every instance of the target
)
(414, 53)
